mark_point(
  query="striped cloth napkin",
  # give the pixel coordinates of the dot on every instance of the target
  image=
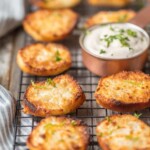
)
(11, 14)
(7, 114)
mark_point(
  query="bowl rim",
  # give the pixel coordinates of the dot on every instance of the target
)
(83, 34)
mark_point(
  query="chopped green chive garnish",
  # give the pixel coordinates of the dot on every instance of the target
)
(118, 127)
(123, 39)
(57, 56)
(32, 82)
(48, 82)
(130, 137)
(63, 123)
(37, 86)
(73, 123)
(122, 35)
(112, 29)
(108, 119)
(102, 51)
(111, 131)
(123, 18)
(121, 30)
(100, 134)
(51, 82)
(130, 48)
(49, 125)
(137, 115)
(131, 33)
(136, 83)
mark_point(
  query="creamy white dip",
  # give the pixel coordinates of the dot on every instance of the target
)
(115, 41)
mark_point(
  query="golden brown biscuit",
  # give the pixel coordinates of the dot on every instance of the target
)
(109, 17)
(124, 91)
(59, 133)
(44, 59)
(113, 3)
(50, 25)
(59, 96)
(123, 132)
(55, 4)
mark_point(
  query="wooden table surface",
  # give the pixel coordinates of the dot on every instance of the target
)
(9, 71)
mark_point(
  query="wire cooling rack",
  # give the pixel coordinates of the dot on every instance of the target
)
(89, 112)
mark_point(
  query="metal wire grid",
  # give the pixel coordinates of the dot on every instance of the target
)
(89, 112)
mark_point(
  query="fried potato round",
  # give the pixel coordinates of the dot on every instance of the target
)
(44, 59)
(59, 96)
(124, 91)
(109, 17)
(50, 25)
(59, 133)
(111, 3)
(55, 4)
(123, 132)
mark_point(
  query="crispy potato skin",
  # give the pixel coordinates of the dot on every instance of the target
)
(62, 99)
(50, 25)
(124, 91)
(109, 17)
(59, 136)
(39, 59)
(112, 3)
(55, 4)
(123, 132)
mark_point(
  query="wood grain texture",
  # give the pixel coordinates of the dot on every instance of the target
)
(9, 71)
(5, 57)
(15, 72)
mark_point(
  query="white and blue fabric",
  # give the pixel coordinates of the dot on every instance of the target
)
(11, 14)
(7, 115)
